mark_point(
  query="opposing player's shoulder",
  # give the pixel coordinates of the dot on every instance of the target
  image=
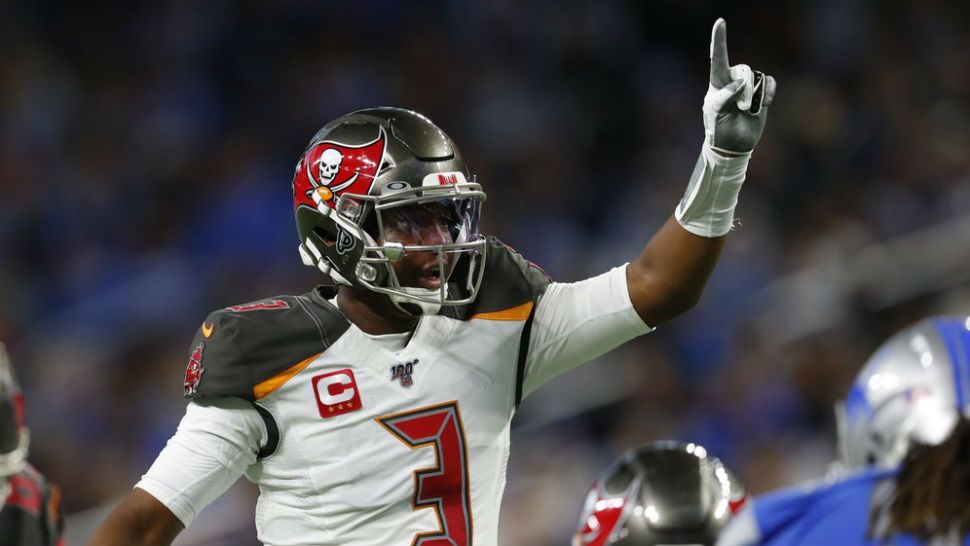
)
(239, 348)
(813, 507)
(511, 284)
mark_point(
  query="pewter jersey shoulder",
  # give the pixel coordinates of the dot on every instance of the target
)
(240, 347)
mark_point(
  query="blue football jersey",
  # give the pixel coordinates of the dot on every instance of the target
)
(829, 514)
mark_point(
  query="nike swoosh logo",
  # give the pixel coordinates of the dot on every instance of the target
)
(207, 328)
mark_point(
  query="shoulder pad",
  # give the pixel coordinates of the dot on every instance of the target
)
(239, 348)
(510, 282)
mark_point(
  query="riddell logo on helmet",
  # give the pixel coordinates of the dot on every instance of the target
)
(444, 179)
(339, 168)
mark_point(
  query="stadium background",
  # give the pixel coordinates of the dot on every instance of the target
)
(146, 150)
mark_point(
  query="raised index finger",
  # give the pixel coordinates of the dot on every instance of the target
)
(720, 68)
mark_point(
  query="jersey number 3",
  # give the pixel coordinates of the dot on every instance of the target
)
(444, 486)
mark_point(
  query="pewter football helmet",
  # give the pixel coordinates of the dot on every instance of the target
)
(658, 494)
(910, 390)
(377, 166)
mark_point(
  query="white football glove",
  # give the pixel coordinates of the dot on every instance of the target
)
(737, 100)
(734, 109)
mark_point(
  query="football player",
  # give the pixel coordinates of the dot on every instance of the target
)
(31, 513)
(660, 493)
(904, 445)
(378, 412)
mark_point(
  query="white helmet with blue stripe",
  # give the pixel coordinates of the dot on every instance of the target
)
(912, 389)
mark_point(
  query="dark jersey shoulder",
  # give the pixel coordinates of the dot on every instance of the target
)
(239, 350)
(31, 513)
(509, 282)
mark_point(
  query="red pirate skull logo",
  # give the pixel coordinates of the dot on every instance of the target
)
(193, 372)
(331, 169)
(602, 515)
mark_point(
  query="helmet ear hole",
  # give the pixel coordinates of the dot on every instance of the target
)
(325, 237)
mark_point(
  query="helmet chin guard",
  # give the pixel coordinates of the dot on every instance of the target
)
(370, 171)
(417, 297)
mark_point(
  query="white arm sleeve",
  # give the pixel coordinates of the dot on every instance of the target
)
(216, 442)
(577, 322)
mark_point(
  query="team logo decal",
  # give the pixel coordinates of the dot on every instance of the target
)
(336, 393)
(737, 501)
(331, 168)
(345, 241)
(403, 372)
(193, 372)
(602, 516)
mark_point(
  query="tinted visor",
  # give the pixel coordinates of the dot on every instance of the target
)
(451, 220)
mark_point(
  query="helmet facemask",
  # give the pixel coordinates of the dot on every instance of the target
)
(397, 224)
(14, 436)
(432, 234)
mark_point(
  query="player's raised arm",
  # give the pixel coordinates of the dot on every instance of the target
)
(669, 276)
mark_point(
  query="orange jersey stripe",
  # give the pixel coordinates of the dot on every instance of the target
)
(519, 312)
(268, 386)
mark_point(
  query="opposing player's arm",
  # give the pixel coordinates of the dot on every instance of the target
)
(139, 520)
(669, 276)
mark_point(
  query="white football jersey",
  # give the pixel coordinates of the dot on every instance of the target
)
(360, 440)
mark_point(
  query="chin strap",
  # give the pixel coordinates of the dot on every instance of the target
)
(426, 308)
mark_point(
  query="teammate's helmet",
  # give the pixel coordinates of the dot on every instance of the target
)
(14, 437)
(910, 390)
(381, 166)
(660, 493)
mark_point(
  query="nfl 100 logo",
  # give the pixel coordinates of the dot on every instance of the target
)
(403, 372)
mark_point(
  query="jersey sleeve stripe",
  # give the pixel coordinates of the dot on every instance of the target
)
(266, 387)
(519, 312)
(523, 355)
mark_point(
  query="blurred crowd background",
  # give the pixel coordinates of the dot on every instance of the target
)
(146, 152)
